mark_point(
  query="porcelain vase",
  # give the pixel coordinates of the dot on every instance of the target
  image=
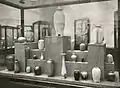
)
(50, 68)
(63, 68)
(82, 46)
(96, 74)
(73, 57)
(59, 21)
(41, 44)
(110, 58)
(98, 35)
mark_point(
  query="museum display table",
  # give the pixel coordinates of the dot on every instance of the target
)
(29, 80)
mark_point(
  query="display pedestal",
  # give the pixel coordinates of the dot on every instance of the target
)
(54, 46)
(96, 57)
(21, 54)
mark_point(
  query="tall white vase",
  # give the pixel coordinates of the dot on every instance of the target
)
(98, 35)
(59, 21)
(63, 68)
(96, 74)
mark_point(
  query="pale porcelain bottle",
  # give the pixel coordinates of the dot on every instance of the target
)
(63, 68)
(59, 21)
(96, 74)
(41, 44)
(109, 58)
(98, 35)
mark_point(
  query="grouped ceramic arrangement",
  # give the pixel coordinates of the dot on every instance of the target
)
(59, 23)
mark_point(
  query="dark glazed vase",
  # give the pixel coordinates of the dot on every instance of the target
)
(84, 75)
(17, 66)
(76, 75)
(10, 63)
(37, 70)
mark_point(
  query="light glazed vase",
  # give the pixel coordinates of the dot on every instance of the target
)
(50, 68)
(96, 74)
(98, 33)
(41, 44)
(82, 46)
(73, 57)
(63, 68)
(109, 58)
(59, 21)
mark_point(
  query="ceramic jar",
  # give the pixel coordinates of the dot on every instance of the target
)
(29, 35)
(42, 56)
(41, 44)
(59, 21)
(10, 62)
(110, 58)
(82, 46)
(50, 68)
(84, 75)
(16, 66)
(28, 69)
(27, 52)
(76, 75)
(73, 57)
(35, 57)
(111, 76)
(37, 70)
(21, 39)
(63, 68)
(96, 74)
(98, 34)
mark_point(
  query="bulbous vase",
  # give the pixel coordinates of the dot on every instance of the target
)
(59, 21)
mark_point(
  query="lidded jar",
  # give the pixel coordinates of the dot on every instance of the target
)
(10, 62)
(98, 34)
(59, 21)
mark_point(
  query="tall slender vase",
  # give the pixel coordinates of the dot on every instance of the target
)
(63, 68)
(59, 21)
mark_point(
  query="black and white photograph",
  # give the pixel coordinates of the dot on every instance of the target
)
(59, 44)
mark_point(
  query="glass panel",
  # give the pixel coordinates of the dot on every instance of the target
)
(9, 38)
(35, 26)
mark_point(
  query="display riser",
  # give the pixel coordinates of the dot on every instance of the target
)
(80, 55)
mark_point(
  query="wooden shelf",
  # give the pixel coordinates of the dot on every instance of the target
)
(57, 80)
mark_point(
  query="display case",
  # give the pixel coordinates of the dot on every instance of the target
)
(28, 32)
(41, 29)
(8, 36)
